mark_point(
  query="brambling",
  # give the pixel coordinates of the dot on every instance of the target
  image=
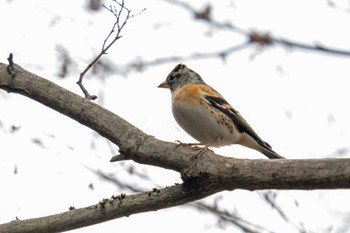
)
(205, 115)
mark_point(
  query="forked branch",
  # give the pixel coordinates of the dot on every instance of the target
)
(122, 15)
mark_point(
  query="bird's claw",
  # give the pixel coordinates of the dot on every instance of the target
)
(194, 145)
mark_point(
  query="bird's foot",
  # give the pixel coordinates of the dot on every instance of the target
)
(179, 143)
(201, 147)
(202, 150)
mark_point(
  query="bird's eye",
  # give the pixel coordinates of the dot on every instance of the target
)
(172, 77)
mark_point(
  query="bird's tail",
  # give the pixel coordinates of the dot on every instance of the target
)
(268, 152)
(259, 145)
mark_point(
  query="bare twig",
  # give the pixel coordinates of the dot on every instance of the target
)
(314, 47)
(345, 7)
(228, 217)
(140, 65)
(10, 67)
(116, 29)
(262, 39)
(118, 158)
(256, 37)
(270, 198)
(252, 38)
(120, 184)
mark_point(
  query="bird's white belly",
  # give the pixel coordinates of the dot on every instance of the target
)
(202, 125)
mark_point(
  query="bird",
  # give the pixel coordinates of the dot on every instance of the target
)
(205, 114)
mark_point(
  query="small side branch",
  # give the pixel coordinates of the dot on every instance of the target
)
(116, 30)
(10, 67)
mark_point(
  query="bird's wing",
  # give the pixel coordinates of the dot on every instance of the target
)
(217, 101)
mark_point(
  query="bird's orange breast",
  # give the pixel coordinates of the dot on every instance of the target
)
(191, 92)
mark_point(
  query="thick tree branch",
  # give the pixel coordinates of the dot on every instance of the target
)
(142, 148)
(207, 174)
(115, 207)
